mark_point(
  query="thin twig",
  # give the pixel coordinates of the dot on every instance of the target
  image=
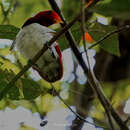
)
(37, 56)
(124, 28)
(4, 58)
(119, 30)
(94, 83)
(87, 56)
(108, 113)
(6, 13)
(69, 35)
(83, 29)
(80, 117)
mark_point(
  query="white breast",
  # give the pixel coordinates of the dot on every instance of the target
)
(31, 39)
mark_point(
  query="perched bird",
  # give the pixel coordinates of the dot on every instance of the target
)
(33, 36)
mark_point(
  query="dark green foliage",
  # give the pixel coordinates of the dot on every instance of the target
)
(116, 8)
(8, 32)
(31, 89)
(111, 44)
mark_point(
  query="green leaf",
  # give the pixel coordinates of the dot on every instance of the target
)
(13, 93)
(8, 32)
(2, 83)
(31, 89)
(117, 92)
(111, 44)
(76, 32)
(67, 8)
(5, 75)
(63, 43)
(7, 71)
(116, 8)
(71, 9)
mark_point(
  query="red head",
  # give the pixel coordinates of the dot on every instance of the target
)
(45, 18)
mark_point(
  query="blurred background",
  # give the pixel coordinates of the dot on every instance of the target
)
(31, 100)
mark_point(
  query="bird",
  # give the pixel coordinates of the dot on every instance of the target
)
(33, 35)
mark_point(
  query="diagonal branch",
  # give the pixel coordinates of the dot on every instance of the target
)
(77, 53)
(91, 76)
(76, 114)
(36, 57)
(83, 29)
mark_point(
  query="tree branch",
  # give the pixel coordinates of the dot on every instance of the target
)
(76, 114)
(73, 46)
(91, 76)
(83, 29)
(6, 13)
(124, 28)
(36, 57)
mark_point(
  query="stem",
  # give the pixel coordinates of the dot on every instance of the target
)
(124, 28)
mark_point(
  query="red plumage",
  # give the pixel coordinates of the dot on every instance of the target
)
(45, 18)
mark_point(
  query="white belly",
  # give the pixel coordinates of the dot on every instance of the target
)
(30, 40)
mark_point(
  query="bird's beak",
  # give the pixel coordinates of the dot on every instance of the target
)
(59, 20)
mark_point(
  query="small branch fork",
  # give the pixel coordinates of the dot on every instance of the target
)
(91, 77)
